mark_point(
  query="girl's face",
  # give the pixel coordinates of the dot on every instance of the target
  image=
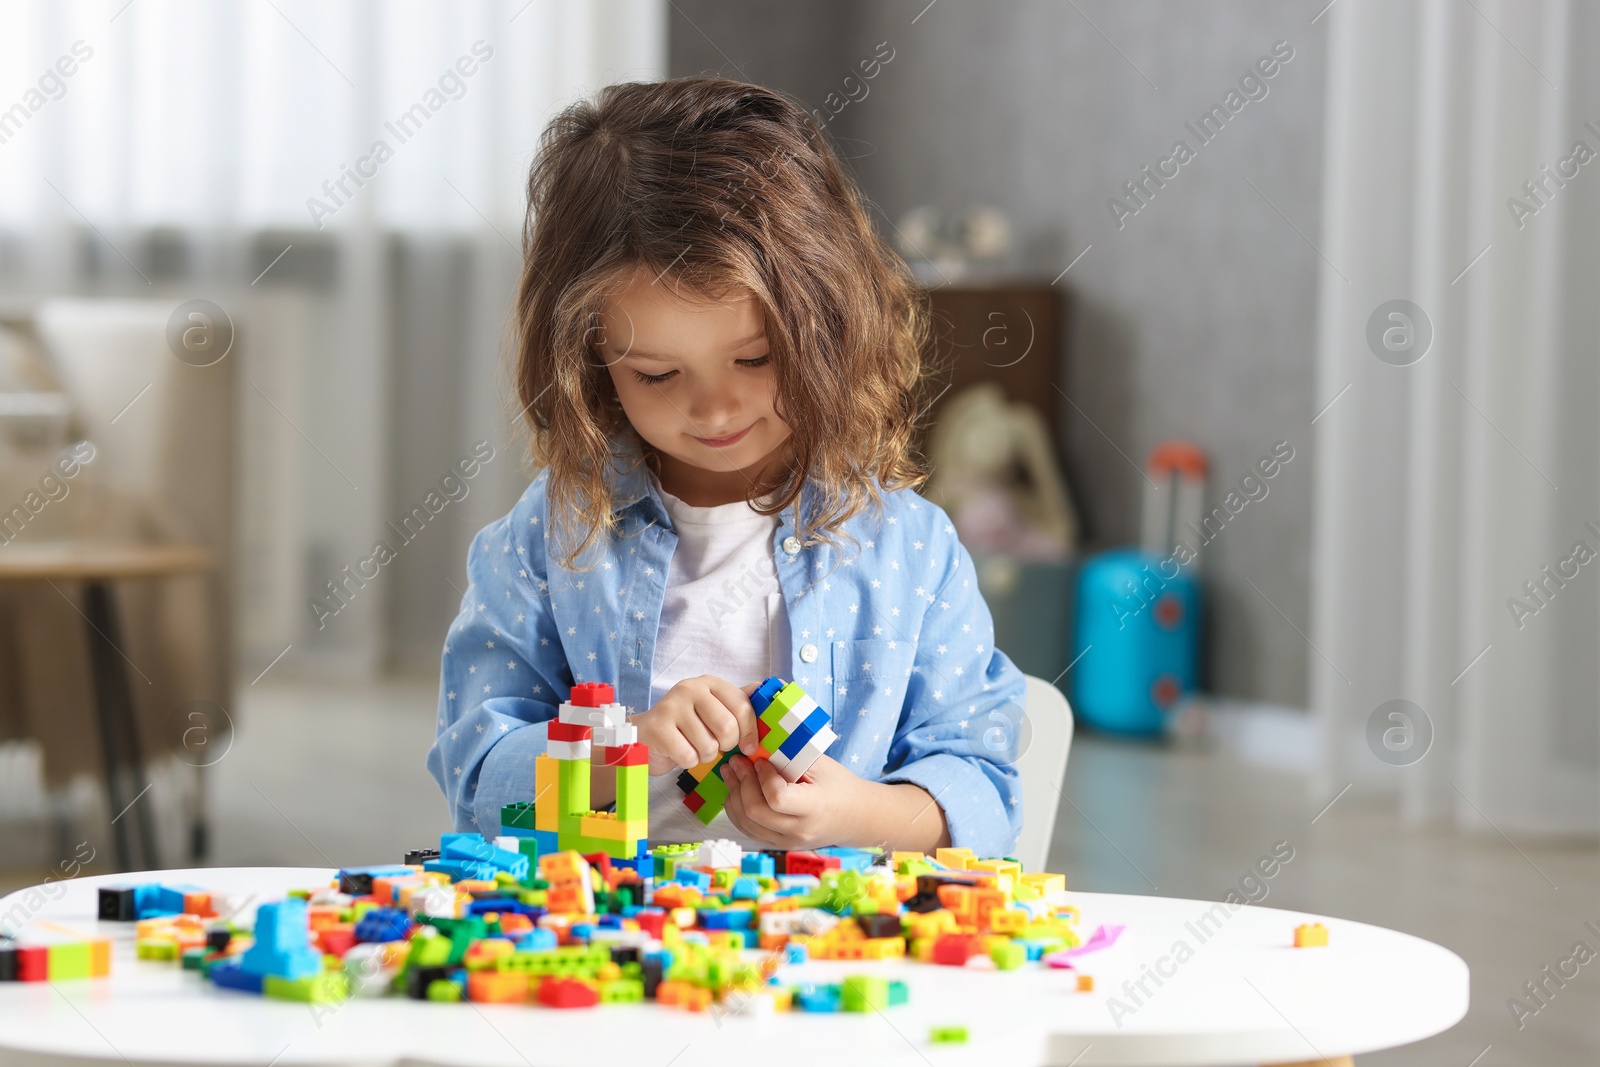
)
(695, 378)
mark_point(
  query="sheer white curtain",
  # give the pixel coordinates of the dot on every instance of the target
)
(1457, 528)
(346, 179)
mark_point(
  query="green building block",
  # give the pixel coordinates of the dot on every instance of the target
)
(67, 961)
(864, 992)
(443, 991)
(1008, 955)
(633, 793)
(898, 993)
(518, 816)
(327, 987)
(573, 781)
(622, 991)
(948, 1035)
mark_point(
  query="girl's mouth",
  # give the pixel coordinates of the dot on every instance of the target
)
(724, 442)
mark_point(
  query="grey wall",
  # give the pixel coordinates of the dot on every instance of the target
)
(1195, 320)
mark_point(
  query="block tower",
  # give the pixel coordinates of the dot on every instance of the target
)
(793, 730)
(562, 818)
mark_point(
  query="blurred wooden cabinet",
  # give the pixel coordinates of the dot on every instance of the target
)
(1011, 333)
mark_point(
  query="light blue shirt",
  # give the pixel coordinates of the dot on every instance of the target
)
(891, 636)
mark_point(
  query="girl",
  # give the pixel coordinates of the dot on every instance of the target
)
(719, 361)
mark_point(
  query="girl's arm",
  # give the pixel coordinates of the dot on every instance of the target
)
(951, 776)
(958, 735)
(502, 675)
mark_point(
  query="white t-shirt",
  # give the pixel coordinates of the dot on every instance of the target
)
(723, 615)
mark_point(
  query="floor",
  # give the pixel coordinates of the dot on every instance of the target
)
(327, 776)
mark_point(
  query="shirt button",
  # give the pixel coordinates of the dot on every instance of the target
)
(808, 653)
(791, 544)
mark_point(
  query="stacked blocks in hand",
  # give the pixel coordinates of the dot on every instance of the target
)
(561, 817)
(793, 731)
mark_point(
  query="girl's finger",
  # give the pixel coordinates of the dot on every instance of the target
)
(757, 807)
(779, 794)
(702, 744)
(719, 721)
(737, 700)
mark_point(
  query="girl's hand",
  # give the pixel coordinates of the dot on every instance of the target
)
(821, 809)
(696, 721)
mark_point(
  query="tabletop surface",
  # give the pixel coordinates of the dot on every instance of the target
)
(1227, 988)
(99, 560)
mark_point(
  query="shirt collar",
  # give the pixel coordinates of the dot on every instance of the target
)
(631, 481)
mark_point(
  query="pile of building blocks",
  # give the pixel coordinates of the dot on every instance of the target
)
(567, 907)
(700, 927)
(793, 731)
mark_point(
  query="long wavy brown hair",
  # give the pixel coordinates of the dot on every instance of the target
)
(722, 186)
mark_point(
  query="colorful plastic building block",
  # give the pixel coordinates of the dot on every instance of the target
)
(793, 732)
(1310, 935)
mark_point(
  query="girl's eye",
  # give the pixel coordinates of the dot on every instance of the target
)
(657, 379)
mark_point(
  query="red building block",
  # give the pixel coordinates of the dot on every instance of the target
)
(568, 992)
(652, 922)
(634, 755)
(953, 950)
(566, 731)
(591, 694)
(810, 863)
(33, 963)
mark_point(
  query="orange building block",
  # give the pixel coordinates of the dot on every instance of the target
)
(497, 987)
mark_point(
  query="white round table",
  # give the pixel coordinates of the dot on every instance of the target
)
(1231, 990)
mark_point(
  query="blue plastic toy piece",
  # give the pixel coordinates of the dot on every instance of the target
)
(229, 975)
(383, 924)
(283, 944)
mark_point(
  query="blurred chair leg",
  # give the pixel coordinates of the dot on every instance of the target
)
(114, 700)
(199, 828)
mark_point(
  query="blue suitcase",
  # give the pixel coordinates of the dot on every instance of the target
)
(1137, 640)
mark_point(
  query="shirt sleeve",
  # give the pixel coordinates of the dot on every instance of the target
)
(501, 676)
(958, 733)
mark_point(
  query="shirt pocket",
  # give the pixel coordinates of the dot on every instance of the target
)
(873, 662)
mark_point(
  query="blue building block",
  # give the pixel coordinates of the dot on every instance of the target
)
(538, 939)
(462, 870)
(698, 879)
(446, 838)
(793, 953)
(283, 943)
(383, 924)
(147, 902)
(481, 851)
(759, 863)
(850, 859)
(725, 918)
(169, 898)
(745, 888)
(764, 693)
(818, 998)
(229, 975)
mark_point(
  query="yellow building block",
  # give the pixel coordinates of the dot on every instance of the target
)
(546, 794)
(606, 825)
(1311, 935)
(1044, 884)
(958, 858)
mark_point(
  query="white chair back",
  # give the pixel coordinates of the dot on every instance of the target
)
(1043, 769)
